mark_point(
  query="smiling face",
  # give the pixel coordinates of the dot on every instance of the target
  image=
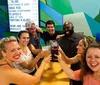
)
(93, 59)
(32, 29)
(68, 29)
(50, 28)
(24, 39)
(13, 51)
(80, 49)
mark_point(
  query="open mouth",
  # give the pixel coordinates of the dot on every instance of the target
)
(93, 64)
(67, 32)
(16, 57)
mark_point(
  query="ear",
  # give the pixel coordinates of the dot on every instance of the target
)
(3, 53)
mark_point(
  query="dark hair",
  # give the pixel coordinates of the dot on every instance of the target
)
(21, 32)
(50, 22)
(85, 69)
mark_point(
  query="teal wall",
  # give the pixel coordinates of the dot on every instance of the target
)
(85, 17)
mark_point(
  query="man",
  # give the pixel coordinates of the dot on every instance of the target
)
(69, 42)
(50, 34)
(34, 43)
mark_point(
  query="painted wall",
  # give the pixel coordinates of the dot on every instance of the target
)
(84, 16)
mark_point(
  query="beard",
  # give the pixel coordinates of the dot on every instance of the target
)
(68, 33)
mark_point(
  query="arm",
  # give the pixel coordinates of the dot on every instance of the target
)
(23, 79)
(67, 70)
(33, 49)
(35, 60)
(58, 36)
(26, 79)
(40, 70)
(39, 30)
(72, 60)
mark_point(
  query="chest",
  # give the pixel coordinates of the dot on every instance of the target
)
(89, 80)
(27, 55)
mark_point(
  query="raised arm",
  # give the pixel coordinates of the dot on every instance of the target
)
(39, 30)
(33, 49)
(60, 35)
(68, 60)
(40, 70)
(34, 61)
(18, 77)
(67, 70)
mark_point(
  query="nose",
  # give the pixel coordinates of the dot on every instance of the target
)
(66, 29)
(51, 28)
(18, 51)
(92, 59)
(27, 39)
(77, 46)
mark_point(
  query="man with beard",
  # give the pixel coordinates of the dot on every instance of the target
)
(68, 44)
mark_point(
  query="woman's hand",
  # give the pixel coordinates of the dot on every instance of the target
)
(44, 54)
(47, 59)
(59, 56)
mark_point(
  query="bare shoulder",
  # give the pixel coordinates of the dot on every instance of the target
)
(7, 70)
(4, 72)
(16, 76)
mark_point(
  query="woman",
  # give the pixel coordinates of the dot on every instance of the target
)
(90, 72)
(34, 43)
(82, 45)
(11, 52)
(27, 62)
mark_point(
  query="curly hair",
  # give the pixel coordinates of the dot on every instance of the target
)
(87, 41)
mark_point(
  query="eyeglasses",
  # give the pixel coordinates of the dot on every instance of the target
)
(33, 27)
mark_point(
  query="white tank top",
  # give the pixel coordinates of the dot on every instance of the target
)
(24, 57)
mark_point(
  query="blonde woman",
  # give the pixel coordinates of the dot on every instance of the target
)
(82, 45)
(11, 52)
(89, 74)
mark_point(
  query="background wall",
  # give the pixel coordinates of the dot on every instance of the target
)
(85, 15)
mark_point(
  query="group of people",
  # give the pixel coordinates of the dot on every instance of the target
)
(12, 53)
(20, 56)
